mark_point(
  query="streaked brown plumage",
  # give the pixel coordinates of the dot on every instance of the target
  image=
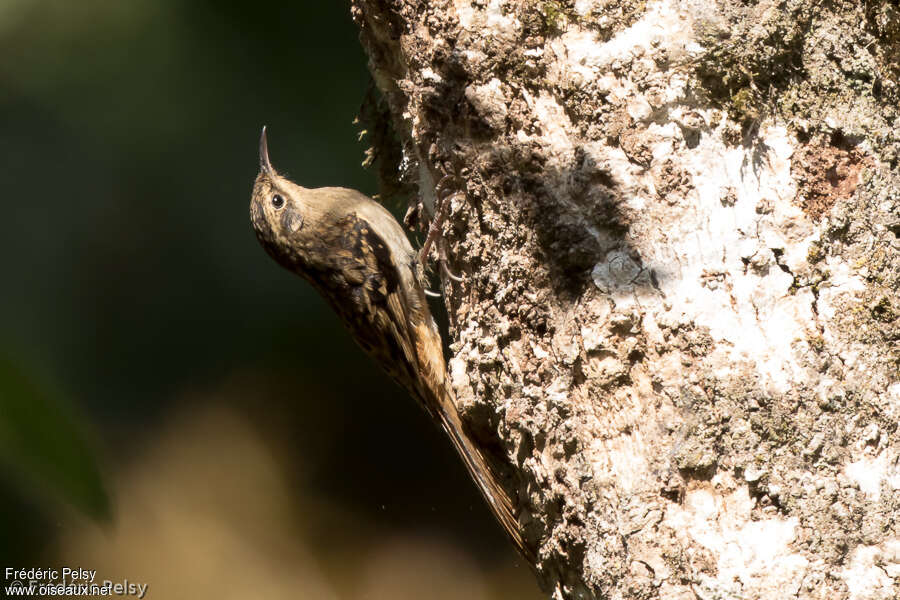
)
(353, 251)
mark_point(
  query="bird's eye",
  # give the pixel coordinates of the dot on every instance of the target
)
(277, 201)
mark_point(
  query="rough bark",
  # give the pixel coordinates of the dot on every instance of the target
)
(677, 224)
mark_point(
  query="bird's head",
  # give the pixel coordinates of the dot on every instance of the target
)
(284, 214)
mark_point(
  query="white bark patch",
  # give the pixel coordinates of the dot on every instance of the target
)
(753, 558)
(662, 25)
(872, 571)
(555, 124)
(492, 17)
(583, 7)
(893, 401)
(728, 265)
(870, 471)
(593, 335)
(621, 460)
(725, 274)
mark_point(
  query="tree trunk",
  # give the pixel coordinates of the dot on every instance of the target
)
(677, 226)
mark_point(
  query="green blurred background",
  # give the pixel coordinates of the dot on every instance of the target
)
(147, 344)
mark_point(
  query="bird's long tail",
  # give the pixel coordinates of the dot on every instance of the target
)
(437, 398)
(485, 478)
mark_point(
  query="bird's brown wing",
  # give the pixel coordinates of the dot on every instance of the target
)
(373, 303)
(397, 331)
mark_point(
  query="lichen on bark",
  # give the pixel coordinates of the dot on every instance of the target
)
(677, 224)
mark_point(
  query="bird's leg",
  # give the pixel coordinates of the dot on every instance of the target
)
(434, 230)
(440, 214)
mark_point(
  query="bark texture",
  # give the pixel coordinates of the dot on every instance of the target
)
(677, 223)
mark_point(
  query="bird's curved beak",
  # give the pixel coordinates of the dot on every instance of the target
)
(264, 163)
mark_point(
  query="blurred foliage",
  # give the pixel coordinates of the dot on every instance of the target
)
(130, 132)
(40, 439)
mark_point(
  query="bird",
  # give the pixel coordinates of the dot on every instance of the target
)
(357, 256)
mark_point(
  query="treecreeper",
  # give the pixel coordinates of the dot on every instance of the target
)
(357, 256)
